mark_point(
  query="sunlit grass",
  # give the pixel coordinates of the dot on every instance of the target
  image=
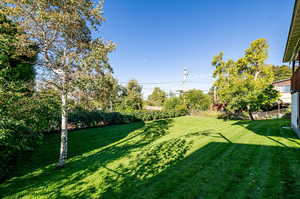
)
(186, 157)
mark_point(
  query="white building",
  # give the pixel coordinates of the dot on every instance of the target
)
(284, 88)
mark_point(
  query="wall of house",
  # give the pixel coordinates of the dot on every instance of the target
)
(284, 87)
(295, 112)
(285, 98)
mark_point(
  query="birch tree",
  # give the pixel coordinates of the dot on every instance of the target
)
(68, 55)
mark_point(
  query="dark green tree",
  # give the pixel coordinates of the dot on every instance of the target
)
(14, 64)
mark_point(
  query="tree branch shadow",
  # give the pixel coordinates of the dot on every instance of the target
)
(83, 165)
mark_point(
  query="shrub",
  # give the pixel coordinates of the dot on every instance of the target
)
(15, 137)
(80, 118)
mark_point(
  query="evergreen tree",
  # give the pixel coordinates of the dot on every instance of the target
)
(15, 65)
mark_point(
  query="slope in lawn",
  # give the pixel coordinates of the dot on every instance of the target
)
(186, 157)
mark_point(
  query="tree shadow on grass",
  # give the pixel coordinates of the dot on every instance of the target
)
(84, 163)
(217, 170)
(208, 133)
(268, 127)
(80, 142)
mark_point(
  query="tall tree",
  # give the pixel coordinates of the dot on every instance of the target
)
(240, 84)
(67, 52)
(157, 97)
(134, 98)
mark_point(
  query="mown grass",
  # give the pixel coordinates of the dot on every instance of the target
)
(186, 157)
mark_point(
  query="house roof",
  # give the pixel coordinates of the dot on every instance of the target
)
(293, 41)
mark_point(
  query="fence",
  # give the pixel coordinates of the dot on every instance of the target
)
(271, 114)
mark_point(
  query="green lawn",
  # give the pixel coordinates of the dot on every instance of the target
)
(182, 158)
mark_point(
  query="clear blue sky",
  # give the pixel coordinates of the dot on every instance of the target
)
(156, 39)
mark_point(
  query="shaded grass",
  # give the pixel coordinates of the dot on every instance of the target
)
(186, 157)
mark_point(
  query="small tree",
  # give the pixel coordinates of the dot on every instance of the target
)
(68, 53)
(158, 97)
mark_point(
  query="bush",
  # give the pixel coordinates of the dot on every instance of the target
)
(15, 137)
(80, 118)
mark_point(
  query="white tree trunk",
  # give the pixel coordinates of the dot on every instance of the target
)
(64, 131)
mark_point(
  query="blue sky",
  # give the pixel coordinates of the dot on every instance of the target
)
(156, 39)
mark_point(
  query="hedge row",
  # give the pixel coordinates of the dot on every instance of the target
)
(16, 136)
(84, 119)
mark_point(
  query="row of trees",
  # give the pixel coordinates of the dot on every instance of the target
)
(245, 84)
(189, 100)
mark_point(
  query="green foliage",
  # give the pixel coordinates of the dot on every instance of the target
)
(190, 100)
(196, 100)
(267, 98)
(174, 103)
(14, 64)
(80, 118)
(242, 85)
(15, 137)
(40, 110)
(282, 72)
(134, 98)
(22, 117)
(158, 97)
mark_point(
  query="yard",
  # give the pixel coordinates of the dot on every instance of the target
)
(185, 157)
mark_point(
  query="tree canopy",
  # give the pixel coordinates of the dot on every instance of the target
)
(196, 100)
(15, 65)
(134, 96)
(241, 83)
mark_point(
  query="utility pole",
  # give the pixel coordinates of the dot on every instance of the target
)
(185, 76)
